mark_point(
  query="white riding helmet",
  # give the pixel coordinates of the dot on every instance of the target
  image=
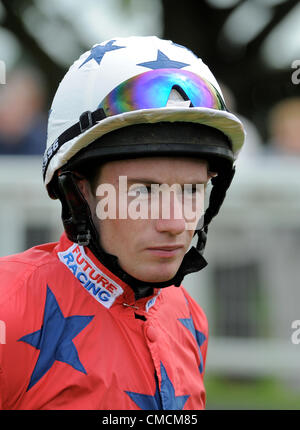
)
(127, 81)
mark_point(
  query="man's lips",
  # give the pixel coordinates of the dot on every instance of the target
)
(165, 250)
(166, 247)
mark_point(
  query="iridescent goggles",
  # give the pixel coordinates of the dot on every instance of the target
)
(152, 89)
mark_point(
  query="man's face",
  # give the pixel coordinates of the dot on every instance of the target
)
(150, 249)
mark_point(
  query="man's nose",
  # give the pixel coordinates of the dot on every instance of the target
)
(171, 217)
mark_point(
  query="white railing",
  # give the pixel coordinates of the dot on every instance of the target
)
(24, 203)
(259, 221)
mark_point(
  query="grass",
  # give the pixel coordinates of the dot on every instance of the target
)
(225, 393)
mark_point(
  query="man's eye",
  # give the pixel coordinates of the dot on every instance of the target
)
(146, 189)
(190, 189)
(139, 190)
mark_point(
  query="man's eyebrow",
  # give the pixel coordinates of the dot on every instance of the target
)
(144, 180)
(154, 181)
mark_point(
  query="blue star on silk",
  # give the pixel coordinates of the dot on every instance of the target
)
(146, 402)
(98, 52)
(54, 339)
(198, 335)
(163, 399)
(163, 62)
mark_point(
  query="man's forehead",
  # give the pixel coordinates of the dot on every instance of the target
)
(156, 169)
(151, 162)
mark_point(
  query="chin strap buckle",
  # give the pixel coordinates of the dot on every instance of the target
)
(85, 121)
(84, 238)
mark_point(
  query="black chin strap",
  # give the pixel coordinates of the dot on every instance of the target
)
(79, 227)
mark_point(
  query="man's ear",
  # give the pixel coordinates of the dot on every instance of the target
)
(211, 174)
(85, 188)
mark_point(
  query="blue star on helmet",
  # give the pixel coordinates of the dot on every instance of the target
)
(198, 335)
(163, 399)
(55, 339)
(98, 52)
(163, 62)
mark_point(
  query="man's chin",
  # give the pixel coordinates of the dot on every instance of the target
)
(159, 276)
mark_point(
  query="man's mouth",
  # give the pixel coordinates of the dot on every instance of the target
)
(165, 250)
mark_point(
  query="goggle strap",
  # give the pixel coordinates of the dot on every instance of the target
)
(86, 120)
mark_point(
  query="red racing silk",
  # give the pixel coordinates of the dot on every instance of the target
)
(76, 338)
